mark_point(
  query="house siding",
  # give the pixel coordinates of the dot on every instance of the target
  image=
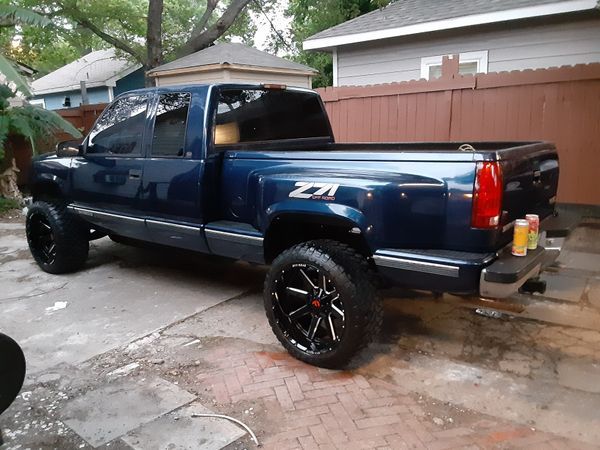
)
(135, 80)
(56, 100)
(190, 78)
(521, 46)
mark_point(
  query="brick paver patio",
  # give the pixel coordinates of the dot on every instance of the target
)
(323, 409)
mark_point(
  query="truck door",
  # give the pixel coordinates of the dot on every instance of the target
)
(107, 178)
(172, 173)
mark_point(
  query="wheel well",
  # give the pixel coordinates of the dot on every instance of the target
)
(45, 189)
(289, 230)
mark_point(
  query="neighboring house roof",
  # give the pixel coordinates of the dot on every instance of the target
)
(231, 55)
(407, 17)
(98, 68)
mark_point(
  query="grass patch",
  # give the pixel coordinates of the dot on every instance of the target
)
(6, 204)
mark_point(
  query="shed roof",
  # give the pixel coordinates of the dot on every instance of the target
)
(98, 68)
(407, 17)
(232, 54)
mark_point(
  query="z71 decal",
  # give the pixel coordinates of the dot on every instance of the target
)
(314, 191)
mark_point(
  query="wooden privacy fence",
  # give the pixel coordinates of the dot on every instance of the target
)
(561, 105)
(82, 117)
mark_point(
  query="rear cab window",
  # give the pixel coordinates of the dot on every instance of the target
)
(247, 116)
(170, 124)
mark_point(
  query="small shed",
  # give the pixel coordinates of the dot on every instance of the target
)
(232, 63)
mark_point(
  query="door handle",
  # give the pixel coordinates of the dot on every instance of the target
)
(135, 174)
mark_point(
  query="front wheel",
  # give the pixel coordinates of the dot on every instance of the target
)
(322, 303)
(58, 242)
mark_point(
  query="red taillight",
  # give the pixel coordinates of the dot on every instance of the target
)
(487, 195)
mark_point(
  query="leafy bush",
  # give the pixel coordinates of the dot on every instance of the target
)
(7, 204)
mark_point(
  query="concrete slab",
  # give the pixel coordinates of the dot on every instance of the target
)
(242, 317)
(574, 260)
(578, 373)
(566, 288)
(116, 408)
(179, 430)
(565, 412)
(124, 293)
(594, 293)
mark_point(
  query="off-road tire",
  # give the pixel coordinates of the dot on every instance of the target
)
(69, 233)
(353, 278)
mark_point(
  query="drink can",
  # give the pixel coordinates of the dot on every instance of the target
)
(534, 231)
(519, 246)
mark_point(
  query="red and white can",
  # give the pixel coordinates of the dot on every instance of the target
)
(534, 231)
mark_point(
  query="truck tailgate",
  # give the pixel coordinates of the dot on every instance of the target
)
(530, 177)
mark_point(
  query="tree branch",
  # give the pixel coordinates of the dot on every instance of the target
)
(215, 31)
(114, 41)
(210, 7)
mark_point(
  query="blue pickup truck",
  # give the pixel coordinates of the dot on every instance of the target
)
(252, 172)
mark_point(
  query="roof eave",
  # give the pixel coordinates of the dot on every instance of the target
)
(70, 88)
(567, 6)
(226, 66)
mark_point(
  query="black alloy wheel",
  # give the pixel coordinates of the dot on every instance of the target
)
(309, 309)
(58, 240)
(41, 239)
(321, 302)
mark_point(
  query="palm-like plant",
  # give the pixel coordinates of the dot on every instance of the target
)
(32, 122)
(28, 121)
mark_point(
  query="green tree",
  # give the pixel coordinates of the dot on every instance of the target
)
(146, 31)
(308, 17)
(10, 17)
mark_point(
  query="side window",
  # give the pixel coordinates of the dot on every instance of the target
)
(120, 130)
(170, 125)
(258, 115)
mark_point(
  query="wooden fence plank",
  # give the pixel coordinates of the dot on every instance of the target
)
(559, 104)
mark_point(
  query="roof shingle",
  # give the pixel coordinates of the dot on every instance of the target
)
(95, 68)
(411, 12)
(234, 54)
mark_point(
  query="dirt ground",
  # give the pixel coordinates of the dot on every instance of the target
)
(124, 353)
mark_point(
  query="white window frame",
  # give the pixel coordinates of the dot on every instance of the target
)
(480, 57)
(38, 102)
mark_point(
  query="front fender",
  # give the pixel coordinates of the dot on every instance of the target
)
(50, 175)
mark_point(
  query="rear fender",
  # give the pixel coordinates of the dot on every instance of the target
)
(326, 213)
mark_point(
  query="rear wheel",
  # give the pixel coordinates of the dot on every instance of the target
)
(58, 241)
(321, 302)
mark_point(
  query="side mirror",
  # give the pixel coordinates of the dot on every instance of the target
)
(67, 149)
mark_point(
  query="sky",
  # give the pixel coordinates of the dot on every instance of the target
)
(264, 28)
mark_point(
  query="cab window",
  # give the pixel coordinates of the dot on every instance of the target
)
(260, 115)
(168, 139)
(120, 129)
